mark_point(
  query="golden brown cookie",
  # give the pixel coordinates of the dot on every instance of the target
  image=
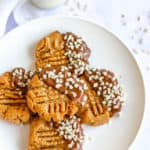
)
(65, 135)
(44, 137)
(58, 49)
(72, 131)
(92, 112)
(77, 53)
(107, 87)
(48, 102)
(13, 105)
(104, 96)
(50, 50)
(64, 81)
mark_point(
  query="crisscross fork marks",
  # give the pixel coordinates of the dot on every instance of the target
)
(13, 107)
(10, 93)
(52, 55)
(42, 64)
(94, 103)
(92, 112)
(49, 103)
(50, 50)
(44, 137)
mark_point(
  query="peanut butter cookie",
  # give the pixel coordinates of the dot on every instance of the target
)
(104, 97)
(13, 87)
(64, 81)
(44, 136)
(58, 49)
(48, 102)
(64, 135)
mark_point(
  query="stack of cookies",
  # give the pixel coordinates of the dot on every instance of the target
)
(62, 93)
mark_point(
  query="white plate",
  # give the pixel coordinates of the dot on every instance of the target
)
(17, 49)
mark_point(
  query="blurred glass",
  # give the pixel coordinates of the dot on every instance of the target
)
(47, 3)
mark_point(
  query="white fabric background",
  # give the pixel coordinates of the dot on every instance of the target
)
(133, 29)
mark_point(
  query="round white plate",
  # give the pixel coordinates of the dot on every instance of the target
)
(17, 49)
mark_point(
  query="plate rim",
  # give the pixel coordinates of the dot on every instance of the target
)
(138, 63)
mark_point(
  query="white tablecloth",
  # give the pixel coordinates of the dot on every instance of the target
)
(130, 20)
